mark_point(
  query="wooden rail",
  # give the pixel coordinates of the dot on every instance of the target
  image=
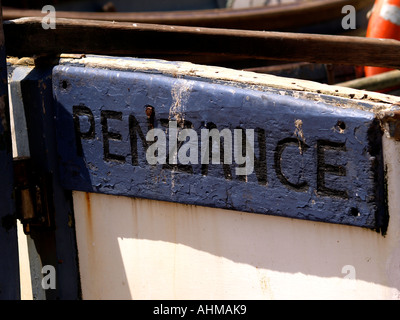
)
(376, 82)
(282, 17)
(26, 37)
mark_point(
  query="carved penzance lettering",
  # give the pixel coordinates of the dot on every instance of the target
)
(176, 145)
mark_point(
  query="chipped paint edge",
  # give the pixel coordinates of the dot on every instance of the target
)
(382, 102)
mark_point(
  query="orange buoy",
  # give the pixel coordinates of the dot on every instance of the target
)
(383, 23)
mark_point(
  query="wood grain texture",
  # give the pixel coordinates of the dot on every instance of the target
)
(284, 16)
(380, 81)
(26, 37)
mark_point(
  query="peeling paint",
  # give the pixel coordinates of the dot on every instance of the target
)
(390, 123)
(322, 183)
(250, 79)
(180, 93)
(298, 123)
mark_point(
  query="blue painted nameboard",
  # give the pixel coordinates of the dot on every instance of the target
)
(218, 143)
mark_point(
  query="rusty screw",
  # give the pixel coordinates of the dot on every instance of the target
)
(150, 116)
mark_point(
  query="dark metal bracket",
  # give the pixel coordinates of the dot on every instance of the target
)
(32, 192)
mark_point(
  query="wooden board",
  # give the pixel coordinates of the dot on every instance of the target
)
(26, 37)
(316, 156)
(312, 16)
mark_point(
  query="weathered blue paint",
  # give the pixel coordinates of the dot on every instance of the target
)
(9, 266)
(313, 161)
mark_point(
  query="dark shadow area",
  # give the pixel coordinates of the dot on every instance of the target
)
(55, 244)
